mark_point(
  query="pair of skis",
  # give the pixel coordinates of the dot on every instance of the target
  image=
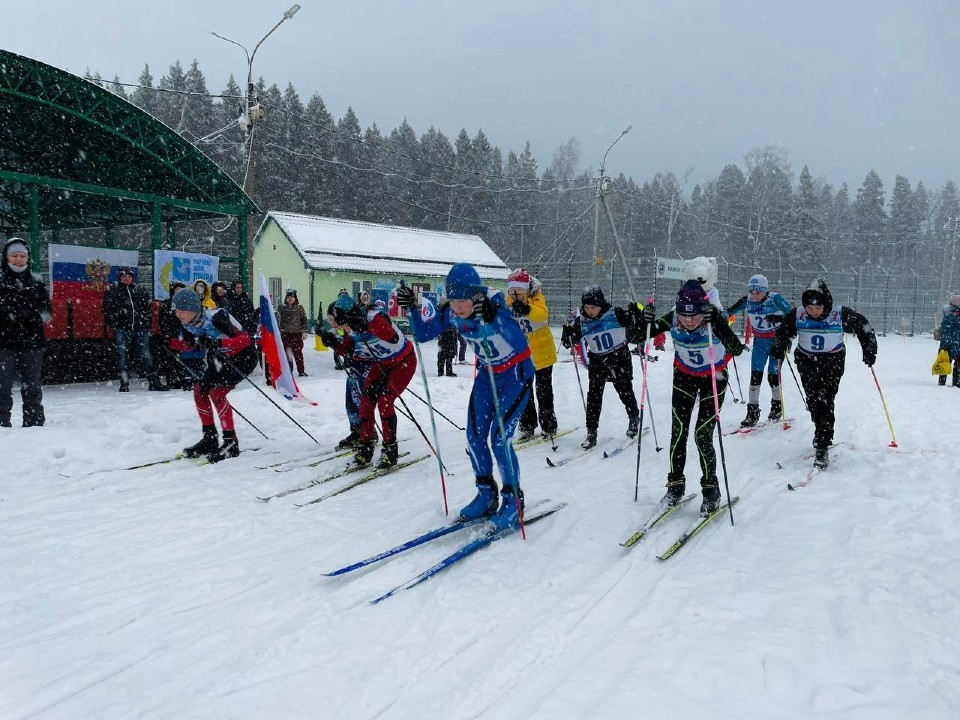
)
(352, 467)
(200, 461)
(664, 513)
(760, 426)
(613, 452)
(535, 513)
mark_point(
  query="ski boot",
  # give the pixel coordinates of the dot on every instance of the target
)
(229, 449)
(821, 458)
(210, 443)
(363, 453)
(124, 382)
(350, 440)
(510, 510)
(710, 490)
(942, 380)
(633, 427)
(525, 434)
(591, 440)
(776, 411)
(485, 502)
(155, 384)
(675, 487)
(753, 416)
(388, 455)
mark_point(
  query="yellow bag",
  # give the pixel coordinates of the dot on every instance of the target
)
(941, 365)
(318, 344)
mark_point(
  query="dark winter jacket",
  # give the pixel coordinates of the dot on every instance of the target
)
(447, 342)
(950, 330)
(126, 307)
(24, 307)
(222, 301)
(241, 307)
(852, 322)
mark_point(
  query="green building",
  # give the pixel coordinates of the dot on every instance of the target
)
(319, 256)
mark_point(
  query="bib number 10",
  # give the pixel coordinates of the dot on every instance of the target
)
(603, 341)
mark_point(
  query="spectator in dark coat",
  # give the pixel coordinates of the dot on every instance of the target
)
(446, 350)
(24, 308)
(126, 310)
(218, 291)
(241, 307)
(168, 364)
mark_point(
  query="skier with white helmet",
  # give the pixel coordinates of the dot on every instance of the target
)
(765, 311)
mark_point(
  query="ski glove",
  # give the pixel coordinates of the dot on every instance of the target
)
(650, 313)
(406, 298)
(484, 308)
(356, 323)
(330, 339)
(869, 358)
(521, 308)
(208, 343)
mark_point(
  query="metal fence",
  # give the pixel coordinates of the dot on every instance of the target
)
(893, 303)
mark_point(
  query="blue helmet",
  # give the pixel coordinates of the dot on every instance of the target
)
(758, 283)
(463, 282)
(344, 302)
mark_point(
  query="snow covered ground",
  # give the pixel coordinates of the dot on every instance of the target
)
(171, 592)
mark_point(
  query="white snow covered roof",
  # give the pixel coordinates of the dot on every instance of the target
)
(332, 244)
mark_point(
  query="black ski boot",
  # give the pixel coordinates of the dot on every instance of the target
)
(350, 440)
(524, 434)
(942, 380)
(155, 384)
(633, 427)
(776, 411)
(956, 374)
(210, 443)
(753, 416)
(229, 449)
(591, 440)
(675, 486)
(124, 382)
(710, 489)
(388, 455)
(363, 455)
(821, 459)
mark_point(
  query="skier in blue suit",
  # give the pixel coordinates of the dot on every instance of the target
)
(765, 311)
(480, 315)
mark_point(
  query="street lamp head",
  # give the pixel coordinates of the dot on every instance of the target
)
(291, 12)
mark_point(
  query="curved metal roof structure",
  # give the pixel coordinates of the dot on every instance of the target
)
(75, 155)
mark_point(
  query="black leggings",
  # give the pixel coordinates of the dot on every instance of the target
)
(617, 367)
(686, 388)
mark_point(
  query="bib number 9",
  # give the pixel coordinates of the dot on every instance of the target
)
(817, 342)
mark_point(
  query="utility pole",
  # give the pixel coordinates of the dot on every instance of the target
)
(602, 186)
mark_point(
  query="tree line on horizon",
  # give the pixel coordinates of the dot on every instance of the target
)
(756, 213)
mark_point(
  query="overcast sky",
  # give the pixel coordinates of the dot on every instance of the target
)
(843, 85)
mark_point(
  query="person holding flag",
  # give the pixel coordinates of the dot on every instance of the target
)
(281, 377)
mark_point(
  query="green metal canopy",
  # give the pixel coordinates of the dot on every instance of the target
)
(75, 155)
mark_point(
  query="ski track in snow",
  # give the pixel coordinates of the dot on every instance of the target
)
(170, 591)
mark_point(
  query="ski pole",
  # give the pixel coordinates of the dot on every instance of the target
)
(573, 354)
(409, 414)
(893, 439)
(716, 410)
(800, 389)
(429, 404)
(653, 424)
(739, 387)
(783, 402)
(197, 379)
(230, 364)
(507, 447)
(433, 421)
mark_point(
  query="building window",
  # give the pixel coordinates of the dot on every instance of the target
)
(368, 285)
(276, 290)
(357, 287)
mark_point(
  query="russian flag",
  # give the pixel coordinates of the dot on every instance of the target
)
(276, 357)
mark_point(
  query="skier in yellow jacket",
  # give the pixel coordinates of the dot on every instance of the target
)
(530, 311)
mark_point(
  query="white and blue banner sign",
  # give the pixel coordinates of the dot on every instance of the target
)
(171, 265)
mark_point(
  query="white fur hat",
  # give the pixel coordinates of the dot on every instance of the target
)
(703, 269)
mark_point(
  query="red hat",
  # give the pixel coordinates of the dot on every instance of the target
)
(519, 279)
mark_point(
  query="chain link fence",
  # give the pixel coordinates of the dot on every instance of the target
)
(894, 304)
